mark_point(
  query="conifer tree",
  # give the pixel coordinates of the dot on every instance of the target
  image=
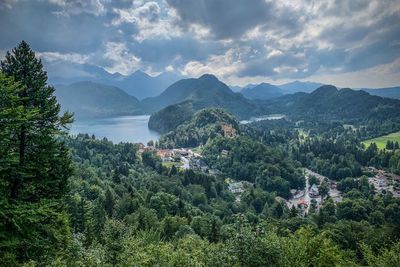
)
(34, 162)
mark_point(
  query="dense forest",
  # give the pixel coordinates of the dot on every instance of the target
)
(80, 201)
(202, 126)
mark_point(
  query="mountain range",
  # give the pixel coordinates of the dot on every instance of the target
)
(329, 102)
(94, 100)
(141, 85)
(138, 84)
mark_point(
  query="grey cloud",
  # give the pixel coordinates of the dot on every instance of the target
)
(339, 42)
(238, 16)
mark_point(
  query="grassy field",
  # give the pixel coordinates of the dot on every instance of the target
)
(169, 164)
(381, 141)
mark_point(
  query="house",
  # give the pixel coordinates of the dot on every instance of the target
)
(236, 187)
(314, 191)
(182, 152)
(224, 153)
(164, 153)
(302, 204)
(167, 159)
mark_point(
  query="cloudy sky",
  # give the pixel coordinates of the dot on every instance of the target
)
(347, 43)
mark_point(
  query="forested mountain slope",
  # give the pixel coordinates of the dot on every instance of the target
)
(92, 100)
(206, 91)
(332, 103)
(202, 126)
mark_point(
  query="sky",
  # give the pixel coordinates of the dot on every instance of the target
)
(347, 43)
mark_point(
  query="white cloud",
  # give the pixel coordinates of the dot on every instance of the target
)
(146, 16)
(76, 7)
(121, 59)
(384, 75)
(70, 57)
(223, 66)
(169, 68)
(7, 3)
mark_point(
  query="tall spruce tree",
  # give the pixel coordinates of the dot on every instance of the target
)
(43, 164)
(34, 162)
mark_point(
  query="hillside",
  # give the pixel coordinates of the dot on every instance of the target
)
(262, 91)
(171, 117)
(92, 100)
(331, 103)
(204, 124)
(206, 91)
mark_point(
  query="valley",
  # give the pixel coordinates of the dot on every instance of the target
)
(193, 174)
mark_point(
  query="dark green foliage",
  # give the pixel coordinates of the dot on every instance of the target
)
(245, 159)
(167, 119)
(34, 162)
(204, 125)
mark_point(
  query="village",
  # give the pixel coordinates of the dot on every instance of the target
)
(302, 199)
(187, 158)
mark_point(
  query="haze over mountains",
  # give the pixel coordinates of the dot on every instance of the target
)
(139, 93)
(262, 91)
(390, 92)
(139, 84)
(92, 100)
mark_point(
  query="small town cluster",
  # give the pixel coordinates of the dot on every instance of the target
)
(186, 158)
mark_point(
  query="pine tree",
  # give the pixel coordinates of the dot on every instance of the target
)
(109, 203)
(34, 162)
(43, 164)
(12, 116)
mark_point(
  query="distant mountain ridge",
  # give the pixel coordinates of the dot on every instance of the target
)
(138, 84)
(287, 88)
(390, 92)
(262, 91)
(90, 100)
(297, 86)
(94, 100)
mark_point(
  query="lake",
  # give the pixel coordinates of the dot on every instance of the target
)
(132, 129)
(263, 118)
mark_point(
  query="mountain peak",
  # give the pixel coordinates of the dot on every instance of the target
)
(325, 89)
(140, 73)
(208, 77)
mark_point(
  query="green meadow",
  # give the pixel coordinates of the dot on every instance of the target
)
(381, 141)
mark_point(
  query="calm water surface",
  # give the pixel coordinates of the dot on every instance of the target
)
(118, 129)
(263, 118)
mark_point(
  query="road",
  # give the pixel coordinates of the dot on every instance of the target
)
(303, 195)
(186, 163)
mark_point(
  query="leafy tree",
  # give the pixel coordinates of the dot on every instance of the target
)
(324, 189)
